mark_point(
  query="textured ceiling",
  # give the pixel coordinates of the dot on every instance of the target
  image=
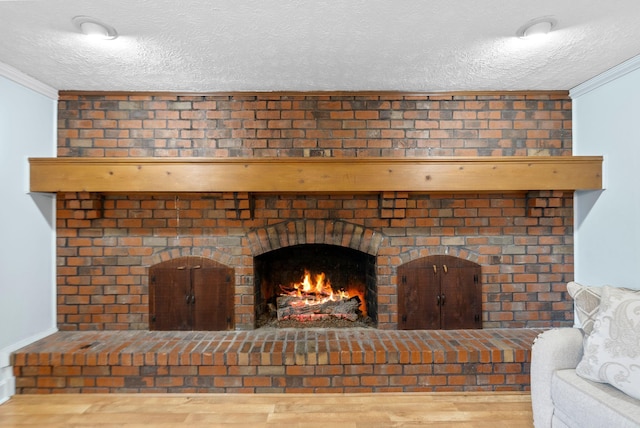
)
(317, 45)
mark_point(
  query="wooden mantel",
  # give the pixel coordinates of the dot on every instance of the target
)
(438, 174)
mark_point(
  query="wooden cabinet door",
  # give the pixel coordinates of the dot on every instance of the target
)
(439, 292)
(460, 294)
(191, 293)
(213, 298)
(418, 290)
(169, 291)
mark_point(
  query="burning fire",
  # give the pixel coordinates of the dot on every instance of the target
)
(313, 298)
(319, 289)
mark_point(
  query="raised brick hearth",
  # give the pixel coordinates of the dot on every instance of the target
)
(286, 360)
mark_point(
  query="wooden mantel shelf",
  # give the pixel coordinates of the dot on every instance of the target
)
(439, 174)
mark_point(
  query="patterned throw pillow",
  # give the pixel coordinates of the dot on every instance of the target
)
(612, 351)
(586, 301)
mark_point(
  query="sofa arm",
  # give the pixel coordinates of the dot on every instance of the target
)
(556, 349)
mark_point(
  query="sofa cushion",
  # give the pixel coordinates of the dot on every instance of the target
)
(586, 302)
(582, 403)
(612, 351)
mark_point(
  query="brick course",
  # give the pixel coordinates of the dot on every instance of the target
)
(303, 125)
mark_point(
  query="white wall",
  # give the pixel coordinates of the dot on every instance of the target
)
(606, 121)
(27, 224)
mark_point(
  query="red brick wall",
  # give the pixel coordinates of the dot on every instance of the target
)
(106, 243)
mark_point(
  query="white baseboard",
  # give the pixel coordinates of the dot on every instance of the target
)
(7, 383)
(7, 380)
(5, 353)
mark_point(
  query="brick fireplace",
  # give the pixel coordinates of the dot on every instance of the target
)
(111, 245)
(107, 242)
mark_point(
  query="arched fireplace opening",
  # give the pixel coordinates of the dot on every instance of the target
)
(315, 285)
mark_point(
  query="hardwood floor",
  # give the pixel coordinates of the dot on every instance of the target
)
(481, 409)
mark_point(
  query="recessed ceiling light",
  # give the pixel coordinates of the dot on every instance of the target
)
(94, 28)
(537, 27)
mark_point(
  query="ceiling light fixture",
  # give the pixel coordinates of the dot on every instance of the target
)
(537, 27)
(94, 28)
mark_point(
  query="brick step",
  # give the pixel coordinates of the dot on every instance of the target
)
(270, 360)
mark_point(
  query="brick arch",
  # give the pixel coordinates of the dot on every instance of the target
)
(459, 252)
(332, 232)
(167, 254)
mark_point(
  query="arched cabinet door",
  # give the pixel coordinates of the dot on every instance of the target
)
(418, 291)
(191, 293)
(213, 304)
(439, 292)
(169, 289)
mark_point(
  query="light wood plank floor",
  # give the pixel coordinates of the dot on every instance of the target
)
(482, 409)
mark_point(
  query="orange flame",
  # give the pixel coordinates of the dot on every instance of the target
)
(315, 290)
(320, 286)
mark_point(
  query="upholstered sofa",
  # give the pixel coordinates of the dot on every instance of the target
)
(590, 376)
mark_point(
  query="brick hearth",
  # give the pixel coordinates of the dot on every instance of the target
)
(285, 360)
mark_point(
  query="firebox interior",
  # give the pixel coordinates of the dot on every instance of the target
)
(347, 270)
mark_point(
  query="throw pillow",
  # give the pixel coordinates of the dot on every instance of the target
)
(612, 351)
(586, 301)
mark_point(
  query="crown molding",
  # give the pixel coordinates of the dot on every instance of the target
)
(355, 93)
(602, 79)
(28, 82)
